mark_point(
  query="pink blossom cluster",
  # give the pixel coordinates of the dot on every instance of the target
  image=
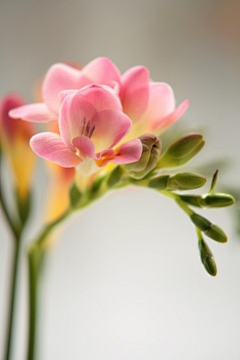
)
(100, 114)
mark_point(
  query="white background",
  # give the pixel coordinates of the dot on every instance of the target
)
(125, 281)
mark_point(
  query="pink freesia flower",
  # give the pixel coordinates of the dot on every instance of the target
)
(64, 77)
(150, 105)
(91, 124)
(15, 136)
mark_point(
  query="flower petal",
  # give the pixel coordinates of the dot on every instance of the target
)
(75, 114)
(128, 152)
(135, 91)
(101, 71)
(37, 112)
(51, 147)
(161, 103)
(61, 77)
(111, 127)
(171, 118)
(85, 146)
(102, 97)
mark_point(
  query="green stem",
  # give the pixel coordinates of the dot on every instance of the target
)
(13, 291)
(36, 257)
(181, 203)
(16, 230)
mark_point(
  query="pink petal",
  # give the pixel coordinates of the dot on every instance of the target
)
(135, 91)
(101, 97)
(101, 71)
(51, 147)
(34, 113)
(111, 127)
(161, 103)
(61, 77)
(171, 118)
(75, 115)
(128, 152)
(85, 146)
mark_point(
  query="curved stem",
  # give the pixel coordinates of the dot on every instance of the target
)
(13, 291)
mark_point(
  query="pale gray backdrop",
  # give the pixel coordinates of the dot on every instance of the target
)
(124, 280)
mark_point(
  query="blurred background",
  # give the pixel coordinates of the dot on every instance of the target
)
(124, 281)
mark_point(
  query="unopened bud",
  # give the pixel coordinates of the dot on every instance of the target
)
(186, 181)
(207, 258)
(159, 183)
(212, 231)
(181, 150)
(151, 150)
(194, 200)
(216, 233)
(217, 200)
(202, 223)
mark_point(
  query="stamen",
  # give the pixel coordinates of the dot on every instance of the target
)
(83, 128)
(92, 130)
(87, 129)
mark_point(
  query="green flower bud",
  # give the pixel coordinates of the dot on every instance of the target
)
(207, 258)
(194, 200)
(159, 183)
(212, 231)
(217, 200)
(216, 233)
(151, 150)
(186, 181)
(202, 223)
(181, 150)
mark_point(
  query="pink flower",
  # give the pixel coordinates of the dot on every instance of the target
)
(64, 77)
(150, 105)
(15, 135)
(91, 124)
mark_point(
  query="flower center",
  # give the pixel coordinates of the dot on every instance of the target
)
(87, 128)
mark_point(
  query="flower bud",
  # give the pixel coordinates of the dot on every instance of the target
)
(207, 258)
(212, 231)
(194, 200)
(159, 183)
(202, 223)
(186, 181)
(181, 150)
(15, 135)
(151, 150)
(217, 200)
